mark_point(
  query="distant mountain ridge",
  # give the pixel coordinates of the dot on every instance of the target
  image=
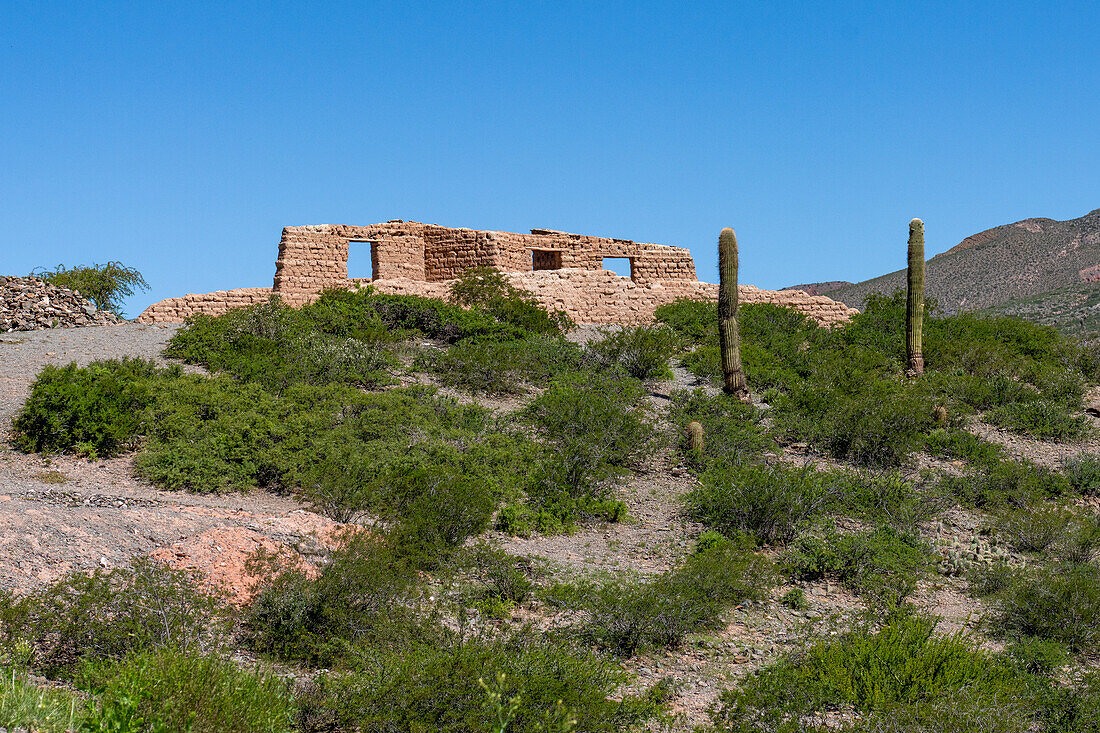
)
(819, 288)
(1001, 264)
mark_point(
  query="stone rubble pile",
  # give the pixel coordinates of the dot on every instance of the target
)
(28, 304)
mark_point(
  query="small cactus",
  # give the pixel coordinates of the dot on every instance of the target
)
(735, 383)
(914, 299)
(939, 414)
(695, 436)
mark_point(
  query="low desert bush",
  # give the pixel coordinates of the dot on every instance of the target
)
(874, 671)
(1044, 419)
(107, 615)
(595, 426)
(883, 562)
(106, 285)
(887, 497)
(1058, 602)
(733, 432)
(502, 367)
(98, 408)
(770, 503)
(1003, 482)
(503, 580)
(278, 346)
(183, 691)
(457, 683)
(487, 289)
(1034, 529)
(626, 616)
(358, 596)
(1083, 473)
(643, 352)
(695, 321)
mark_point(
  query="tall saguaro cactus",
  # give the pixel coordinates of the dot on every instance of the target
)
(735, 382)
(914, 299)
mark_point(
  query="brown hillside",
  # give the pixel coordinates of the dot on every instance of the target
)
(1005, 263)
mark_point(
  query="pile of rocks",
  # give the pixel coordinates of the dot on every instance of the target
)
(28, 304)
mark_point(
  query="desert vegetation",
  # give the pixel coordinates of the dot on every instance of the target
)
(460, 441)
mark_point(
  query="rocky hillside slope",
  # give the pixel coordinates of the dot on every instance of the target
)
(1002, 264)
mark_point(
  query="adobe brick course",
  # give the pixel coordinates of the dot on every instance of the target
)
(563, 271)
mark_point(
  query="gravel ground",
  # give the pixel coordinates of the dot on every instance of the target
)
(24, 353)
(64, 513)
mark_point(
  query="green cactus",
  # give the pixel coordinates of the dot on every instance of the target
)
(695, 436)
(914, 300)
(734, 375)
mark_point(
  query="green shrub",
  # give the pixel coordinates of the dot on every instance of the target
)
(596, 428)
(183, 691)
(887, 497)
(771, 503)
(1034, 529)
(696, 321)
(109, 614)
(1038, 656)
(100, 406)
(795, 599)
(457, 684)
(485, 288)
(105, 285)
(1044, 419)
(881, 562)
(358, 596)
(856, 417)
(874, 671)
(502, 575)
(278, 346)
(643, 352)
(965, 711)
(1058, 603)
(625, 616)
(1083, 473)
(733, 431)
(411, 314)
(502, 367)
(1005, 483)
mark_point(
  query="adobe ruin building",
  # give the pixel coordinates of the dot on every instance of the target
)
(563, 271)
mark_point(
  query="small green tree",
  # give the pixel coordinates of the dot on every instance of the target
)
(106, 285)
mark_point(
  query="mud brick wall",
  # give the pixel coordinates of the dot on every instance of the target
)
(178, 310)
(411, 258)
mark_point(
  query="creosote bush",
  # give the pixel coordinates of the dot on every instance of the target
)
(454, 683)
(108, 615)
(106, 285)
(486, 288)
(627, 616)
(596, 428)
(772, 504)
(98, 408)
(883, 562)
(643, 352)
(902, 669)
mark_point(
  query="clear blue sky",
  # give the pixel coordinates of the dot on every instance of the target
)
(180, 137)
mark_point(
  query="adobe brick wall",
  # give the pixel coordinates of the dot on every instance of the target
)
(422, 259)
(177, 310)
